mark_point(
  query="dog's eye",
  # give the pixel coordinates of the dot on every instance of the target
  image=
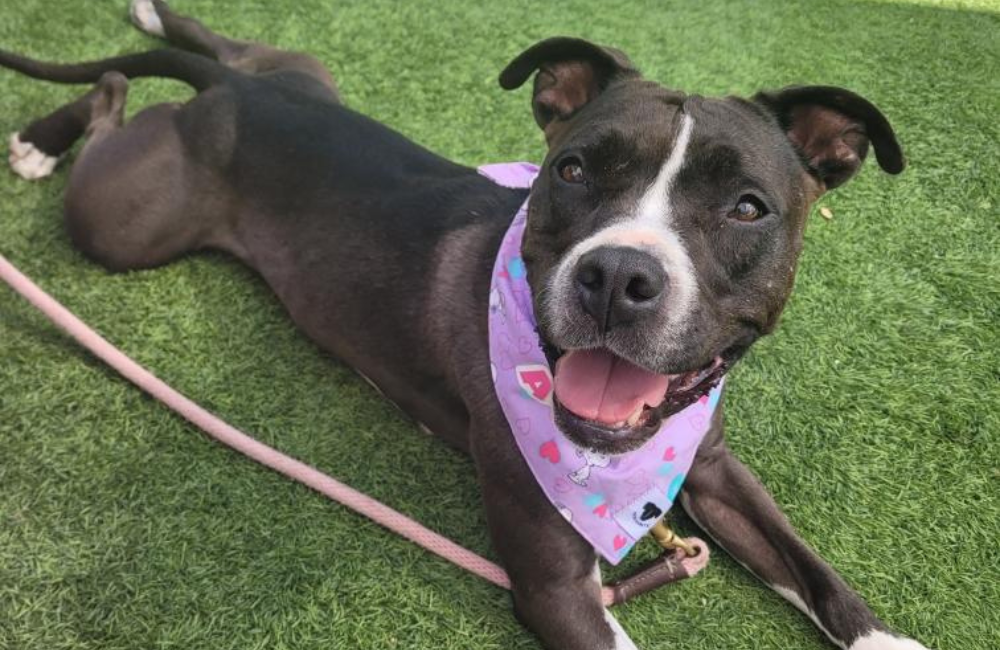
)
(571, 171)
(748, 208)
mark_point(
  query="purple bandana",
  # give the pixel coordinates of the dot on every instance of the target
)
(612, 501)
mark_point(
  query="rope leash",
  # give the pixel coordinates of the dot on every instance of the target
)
(681, 559)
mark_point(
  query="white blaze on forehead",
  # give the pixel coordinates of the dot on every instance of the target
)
(648, 227)
(654, 207)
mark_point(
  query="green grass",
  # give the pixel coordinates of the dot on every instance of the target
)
(872, 414)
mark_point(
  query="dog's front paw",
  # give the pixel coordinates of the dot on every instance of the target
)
(28, 161)
(884, 641)
(144, 16)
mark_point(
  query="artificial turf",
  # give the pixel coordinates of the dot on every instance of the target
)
(872, 413)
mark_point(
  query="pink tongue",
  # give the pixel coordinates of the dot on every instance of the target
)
(597, 385)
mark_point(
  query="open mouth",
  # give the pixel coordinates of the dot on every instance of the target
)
(612, 405)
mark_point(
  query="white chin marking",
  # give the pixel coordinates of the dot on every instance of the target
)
(29, 162)
(144, 17)
(883, 641)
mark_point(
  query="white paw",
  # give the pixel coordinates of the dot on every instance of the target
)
(144, 17)
(883, 641)
(27, 161)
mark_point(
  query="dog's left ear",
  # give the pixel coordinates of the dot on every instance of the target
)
(831, 129)
(571, 73)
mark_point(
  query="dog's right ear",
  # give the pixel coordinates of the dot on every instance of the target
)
(571, 73)
(831, 129)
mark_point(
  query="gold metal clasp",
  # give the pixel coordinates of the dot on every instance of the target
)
(669, 540)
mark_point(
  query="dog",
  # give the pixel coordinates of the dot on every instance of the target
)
(661, 239)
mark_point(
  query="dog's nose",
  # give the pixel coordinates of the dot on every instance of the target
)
(619, 285)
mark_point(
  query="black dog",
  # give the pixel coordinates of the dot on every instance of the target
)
(689, 213)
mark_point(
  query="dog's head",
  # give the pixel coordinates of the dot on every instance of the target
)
(664, 229)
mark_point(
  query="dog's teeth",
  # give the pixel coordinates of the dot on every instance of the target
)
(635, 417)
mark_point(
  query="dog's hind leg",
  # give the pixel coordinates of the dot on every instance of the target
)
(35, 150)
(133, 200)
(157, 19)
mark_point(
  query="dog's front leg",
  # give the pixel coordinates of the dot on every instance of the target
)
(732, 506)
(554, 573)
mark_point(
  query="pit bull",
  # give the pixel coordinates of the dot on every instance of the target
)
(661, 239)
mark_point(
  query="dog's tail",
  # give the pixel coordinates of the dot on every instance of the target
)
(195, 70)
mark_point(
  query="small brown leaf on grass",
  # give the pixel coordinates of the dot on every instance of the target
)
(826, 213)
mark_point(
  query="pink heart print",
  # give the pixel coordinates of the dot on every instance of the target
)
(549, 451)
(562, 486)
